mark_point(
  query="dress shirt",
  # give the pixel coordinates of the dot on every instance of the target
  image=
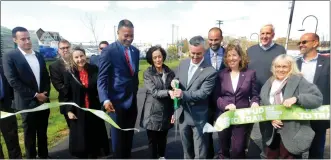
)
(219, 57)
(268, 47)
(308, 69)
(234, 81)
(193, 67)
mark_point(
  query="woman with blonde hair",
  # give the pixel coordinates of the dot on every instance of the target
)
(88, 136)
(288, 139)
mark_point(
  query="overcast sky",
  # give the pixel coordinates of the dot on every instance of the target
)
(153, 20)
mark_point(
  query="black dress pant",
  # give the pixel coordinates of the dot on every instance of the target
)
(122, 140)
(8, 128)
(157, 141)
(35, 124)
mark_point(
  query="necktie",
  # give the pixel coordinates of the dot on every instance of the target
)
(190, 74)
(1, 88)
(214, 60)
(128, 60)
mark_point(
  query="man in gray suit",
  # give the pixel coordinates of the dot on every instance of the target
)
(196, 79)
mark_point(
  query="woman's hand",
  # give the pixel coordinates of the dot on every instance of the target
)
(289, 102)
(277, 123)
(71, 115)
(230, 107)
(254, 104)
(172, 121)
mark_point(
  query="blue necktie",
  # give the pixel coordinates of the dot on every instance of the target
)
(1, 88)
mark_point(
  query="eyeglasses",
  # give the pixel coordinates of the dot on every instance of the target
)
(63, 48)
(304, 42)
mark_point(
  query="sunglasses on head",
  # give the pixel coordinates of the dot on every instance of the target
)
(304, 42)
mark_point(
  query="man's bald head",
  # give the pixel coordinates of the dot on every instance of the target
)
(308, 43)
(215, 38)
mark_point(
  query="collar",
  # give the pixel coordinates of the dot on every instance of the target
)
(219, 52)
(312, 60)
(197, 65)
(24, 53)
(268, 47)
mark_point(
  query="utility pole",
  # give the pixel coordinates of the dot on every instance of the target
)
(289, 25)
(115, 33)
(172, 35)
(219, 22)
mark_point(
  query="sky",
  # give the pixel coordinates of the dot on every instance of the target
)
(153, 19)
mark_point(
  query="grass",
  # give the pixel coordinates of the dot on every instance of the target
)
(57, 127)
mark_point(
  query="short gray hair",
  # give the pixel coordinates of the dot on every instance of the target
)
(197, 40)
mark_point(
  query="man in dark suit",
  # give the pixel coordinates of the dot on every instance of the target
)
(94, 59)
(214, 56)
(26, 72)
(56, 70)
(196, 79)
(316, 69)
(8, 126)
(118, 85)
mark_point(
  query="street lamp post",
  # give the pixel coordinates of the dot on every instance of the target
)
(304, 21)
(258, 37)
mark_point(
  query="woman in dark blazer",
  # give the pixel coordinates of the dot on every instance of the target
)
(288, 139)
(158, 106)
(88, 136)
(235, 89)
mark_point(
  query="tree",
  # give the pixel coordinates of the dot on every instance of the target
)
(90, 22)
(185, 46)
(172, 52)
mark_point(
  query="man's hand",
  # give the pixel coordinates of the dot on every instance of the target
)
(289, 102)
(277, 123)
(178, 93)
(172, 121)
(171, 93)
(230, 107)
(71, 115)
(173, 83)
(254, 104)
(109, 107)
(41, 97)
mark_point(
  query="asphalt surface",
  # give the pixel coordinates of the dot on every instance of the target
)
(140, 143)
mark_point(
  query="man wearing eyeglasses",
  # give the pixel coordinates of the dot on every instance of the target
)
(56, 70)
(316, 69)
(94, 59)
(261, 57)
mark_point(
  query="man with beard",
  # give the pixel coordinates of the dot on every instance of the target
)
(261, 57)
(56, 70)
(214, 56)
(316, 69)
(118, 86)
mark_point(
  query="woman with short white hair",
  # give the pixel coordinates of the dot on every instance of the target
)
(288, 139)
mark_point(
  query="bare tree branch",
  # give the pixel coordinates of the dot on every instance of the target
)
(90, 23)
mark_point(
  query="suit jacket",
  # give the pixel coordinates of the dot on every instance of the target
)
(94, 60)
(6, 102)
(195, 101)
(21, 78)
(115, 81)
(296, 135)
(56, 71)
(322, 81)
(245, 94)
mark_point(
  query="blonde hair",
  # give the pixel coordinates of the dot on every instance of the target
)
(71, 65)
(290, 60)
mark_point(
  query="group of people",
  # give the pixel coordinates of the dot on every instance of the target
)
(210, 82)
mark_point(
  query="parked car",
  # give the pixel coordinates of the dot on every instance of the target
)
(91, 51)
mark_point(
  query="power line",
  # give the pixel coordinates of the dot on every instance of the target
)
(219, 22)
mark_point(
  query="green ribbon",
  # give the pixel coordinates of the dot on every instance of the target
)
(176, 106)
(98, 113)
(267, 113)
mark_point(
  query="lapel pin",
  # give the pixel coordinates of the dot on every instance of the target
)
(201, 69)
(319, 65)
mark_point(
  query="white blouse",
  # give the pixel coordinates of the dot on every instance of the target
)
(234, 81)
(274, 87)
